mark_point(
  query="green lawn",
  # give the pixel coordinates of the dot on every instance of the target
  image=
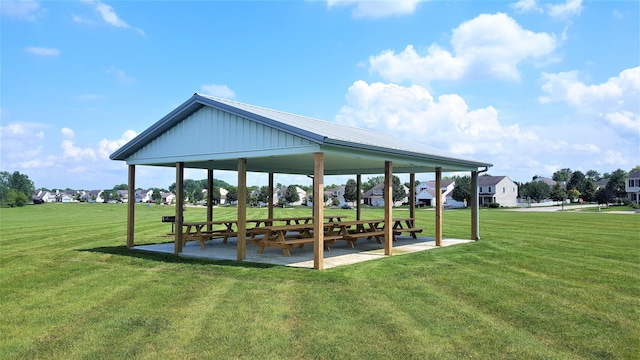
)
(560, 285)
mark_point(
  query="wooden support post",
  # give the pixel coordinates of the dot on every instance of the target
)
(438, 206)
(412, 195)
(318, 211)
(242, 209)
(270, 205)
(358, 195)
(177, 248)
(131, 206)
(209, 198)
(388, 204)
(475, 235)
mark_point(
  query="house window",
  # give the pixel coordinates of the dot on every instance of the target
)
(504, 189)
(480, 188)
(489, 189)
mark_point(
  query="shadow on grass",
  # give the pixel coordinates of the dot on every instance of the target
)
(171, 258)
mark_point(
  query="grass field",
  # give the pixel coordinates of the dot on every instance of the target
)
(562, 285)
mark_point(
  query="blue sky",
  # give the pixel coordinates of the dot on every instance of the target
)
(529, 86)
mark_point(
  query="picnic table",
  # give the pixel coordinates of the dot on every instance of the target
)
(351, 231)
(405, 225)
(197, 231)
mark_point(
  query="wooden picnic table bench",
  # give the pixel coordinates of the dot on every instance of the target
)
(288, 236)
(405, 225)
(195, 231)
(351, 231)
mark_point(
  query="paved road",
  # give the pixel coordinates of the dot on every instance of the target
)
(569, 207)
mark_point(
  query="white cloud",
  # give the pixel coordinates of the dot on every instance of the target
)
(121, 76)
(447, 122)
(221, 91)
(42, 51)
(107, 147)
(525, 6)
(108, 15)
(69, 150)
(564, 10)
(20, 142)
(412, 112)
(586, 148)
(377, 9)
(616, 100)
(557, 10)
(21, 9)
(488, 45)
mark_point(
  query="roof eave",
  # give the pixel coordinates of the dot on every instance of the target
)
(399, 152)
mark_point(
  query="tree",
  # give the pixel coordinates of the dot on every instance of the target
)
(291, 195)
(350, 191)
(372, 182)
(156, 195)
(558, 193)
(589, 192)
(593, 175)
(536, 190)
(573, 194)
(196, 195)
(107, 195)
(15, 188)
(232, 194)
(604, 196)
(264, 194)
(616, 183)
(121, 187)
(577, 181)
(398, 193)
(562, 175)
(215, 195)
(462, 189)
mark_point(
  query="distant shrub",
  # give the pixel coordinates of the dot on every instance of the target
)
(494, 205)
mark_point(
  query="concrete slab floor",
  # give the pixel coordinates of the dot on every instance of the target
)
(339, 254)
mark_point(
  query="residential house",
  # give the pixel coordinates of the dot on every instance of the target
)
(144, 196)
(41, 197)
(497, 189)
(336, 193)
(375, 196)
(167, 198)
(546, 180)
(282, 192)
(92, 196)
(632, 186)
(601, 184)
(124, 195)
(426, 193)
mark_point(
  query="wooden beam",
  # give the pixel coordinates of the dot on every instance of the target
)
(388, 204)
(474, 206)
(209, 198)
(358, 195)
(438, 206)
(412, 195)
(131, 206)
(318, 211)
(270, 201)
(177, 248)
(242, 209)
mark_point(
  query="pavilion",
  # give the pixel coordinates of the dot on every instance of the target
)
(218, 134)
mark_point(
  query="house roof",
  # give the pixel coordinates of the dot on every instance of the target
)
(212, 133)
(634, 175)
(489, 180)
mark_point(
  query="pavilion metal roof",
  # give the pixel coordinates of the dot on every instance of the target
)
(348, 150)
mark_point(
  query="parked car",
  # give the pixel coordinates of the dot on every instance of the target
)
(346, 207)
